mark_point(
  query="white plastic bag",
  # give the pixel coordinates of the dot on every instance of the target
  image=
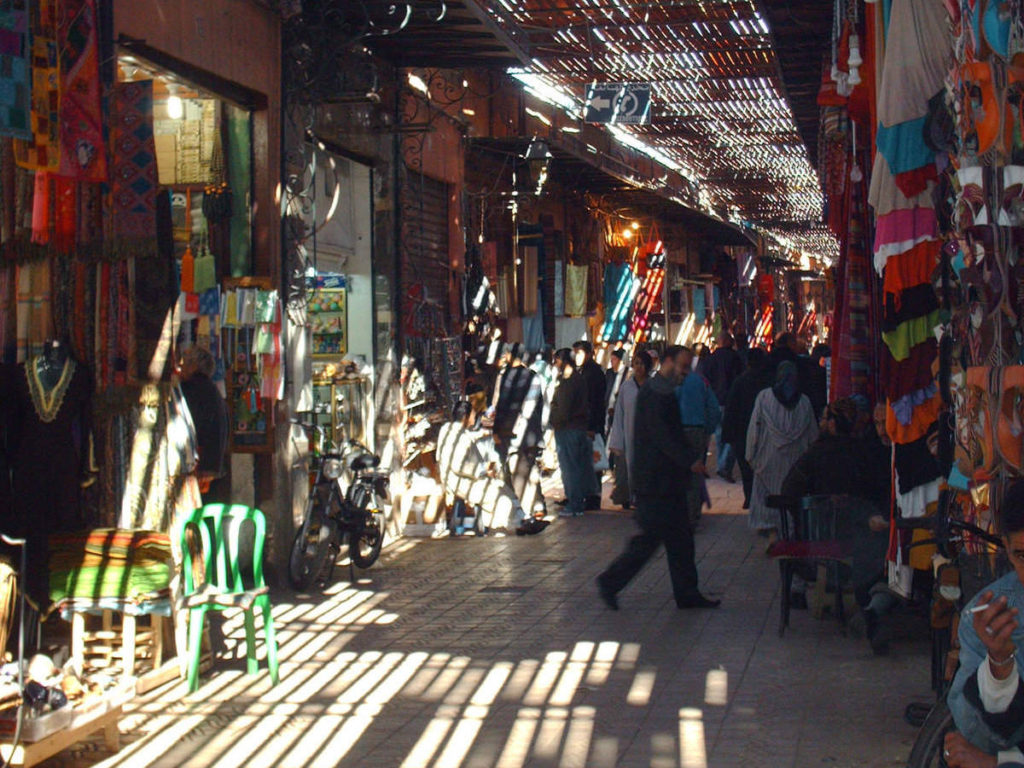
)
(600, 454)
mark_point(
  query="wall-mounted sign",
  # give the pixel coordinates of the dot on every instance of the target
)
(618, 103)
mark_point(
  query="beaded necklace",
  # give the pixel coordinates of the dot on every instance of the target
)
(48, 405)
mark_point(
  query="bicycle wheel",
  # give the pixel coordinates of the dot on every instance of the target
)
(311, 550)
(927, 751)
(365, 543)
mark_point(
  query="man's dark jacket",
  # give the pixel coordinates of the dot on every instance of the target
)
(721, 369)
(595, 381)
(663, 457)
(569, 405)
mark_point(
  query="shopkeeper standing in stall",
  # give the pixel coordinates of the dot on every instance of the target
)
(210, 416)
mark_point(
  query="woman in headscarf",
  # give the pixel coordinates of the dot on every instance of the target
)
(781, 428)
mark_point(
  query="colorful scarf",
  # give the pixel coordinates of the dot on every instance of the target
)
(82, 153)
(15, 72)
(42, 151)
(134, 179)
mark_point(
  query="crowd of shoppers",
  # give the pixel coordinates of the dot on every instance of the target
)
(769, 414)
(657, 416)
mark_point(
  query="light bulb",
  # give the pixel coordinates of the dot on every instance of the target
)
(175, 109)
(854, 78)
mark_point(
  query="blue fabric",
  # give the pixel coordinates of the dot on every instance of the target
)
(726, 455)
(575, 459)
(620, 290)
(903, 146)
(700, 311)
(903, 408)
(698, 406)
(533, 331)
(209, 302)
(958, 479)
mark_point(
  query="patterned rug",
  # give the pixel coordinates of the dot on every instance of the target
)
(82, 153)
(134, 178)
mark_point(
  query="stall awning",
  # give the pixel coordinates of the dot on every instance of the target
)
(574, 171)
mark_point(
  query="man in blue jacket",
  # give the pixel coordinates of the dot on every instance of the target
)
(987, 697)
(701, 415)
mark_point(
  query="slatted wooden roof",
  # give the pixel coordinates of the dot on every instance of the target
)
(720, 113)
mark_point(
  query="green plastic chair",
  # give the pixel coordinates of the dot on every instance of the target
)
(218, 527)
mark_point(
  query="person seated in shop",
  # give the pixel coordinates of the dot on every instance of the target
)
(470, 469)
(987, 696)
(837, 464)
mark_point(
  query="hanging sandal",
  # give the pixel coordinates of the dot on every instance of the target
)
(1010, 417)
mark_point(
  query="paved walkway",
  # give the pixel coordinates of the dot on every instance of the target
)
(496, 653)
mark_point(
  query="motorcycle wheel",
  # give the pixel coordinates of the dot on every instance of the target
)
(365, 544)
(927, 751)
(311, 551)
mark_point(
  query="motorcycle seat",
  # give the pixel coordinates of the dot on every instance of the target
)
(364, 462)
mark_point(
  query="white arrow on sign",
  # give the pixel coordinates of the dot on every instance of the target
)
(600, 103)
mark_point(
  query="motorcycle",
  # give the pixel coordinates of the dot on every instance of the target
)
(345, 505)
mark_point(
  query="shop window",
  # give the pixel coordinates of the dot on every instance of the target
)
(204, 160)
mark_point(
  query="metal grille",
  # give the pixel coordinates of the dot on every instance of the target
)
(425, 236)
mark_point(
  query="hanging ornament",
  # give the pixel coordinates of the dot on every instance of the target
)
(855, 59)
(856, 174)
(854, 77)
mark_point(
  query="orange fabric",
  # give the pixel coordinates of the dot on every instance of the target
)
(923, 417)
(187, 271)
(911, 268)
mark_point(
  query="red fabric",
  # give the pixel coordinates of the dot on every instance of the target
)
(907, 376)
(65, 213)
(911, 268)
(913, 183)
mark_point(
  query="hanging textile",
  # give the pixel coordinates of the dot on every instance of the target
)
(42, 151)
(559, 289)
(134, 177)
(15, 72)
(34, 317)
(576, 290)
(82, 152)
(569, 330)
(8, 344)
(239, 162)
(530, 277)
(620, 289)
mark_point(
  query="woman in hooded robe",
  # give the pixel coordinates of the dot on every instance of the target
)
(782, 427)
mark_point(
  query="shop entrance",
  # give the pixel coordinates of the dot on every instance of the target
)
(341, 304)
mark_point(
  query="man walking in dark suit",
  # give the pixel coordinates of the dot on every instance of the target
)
(664, 462)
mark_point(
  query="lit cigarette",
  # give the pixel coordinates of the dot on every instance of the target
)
(979, 608)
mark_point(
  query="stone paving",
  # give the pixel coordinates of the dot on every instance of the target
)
(496, 653)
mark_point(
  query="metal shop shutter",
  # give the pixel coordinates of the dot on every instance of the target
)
(425, 236)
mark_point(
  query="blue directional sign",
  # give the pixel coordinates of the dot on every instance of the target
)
(618, 103)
